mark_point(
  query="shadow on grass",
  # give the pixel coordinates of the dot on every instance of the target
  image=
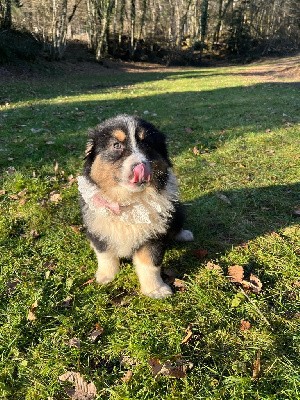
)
(36, 135)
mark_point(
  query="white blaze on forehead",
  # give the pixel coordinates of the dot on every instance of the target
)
(131, 126)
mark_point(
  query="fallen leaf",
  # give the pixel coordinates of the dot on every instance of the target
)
(224, 198)
(31, 313)
(22, 193)
(71, 179)
(255, 284)
(82, 390)
(179, 284)
(127, 376)
(95, 333)
(177, 369)
(34, 234)
(200, 253)
(213, 267)
(155, 365)
(256, 366)
(74, 342)
(88, 282)
(188, 130)
(11, 286)
(76, 228)
(13, 197)
(2, 192)
(196, 151)
(55, 197)
(236, 273)
(245, 325)
(189, 334)
(67, 302)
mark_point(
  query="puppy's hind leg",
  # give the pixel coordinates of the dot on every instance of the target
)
(147, 262)
(108, 266)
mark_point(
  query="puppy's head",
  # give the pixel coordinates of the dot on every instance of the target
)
(127, 152)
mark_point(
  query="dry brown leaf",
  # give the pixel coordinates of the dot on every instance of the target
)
(236, 273)
(200, 253)
(55, 197)
(11, 286)
(96, 333)
(245, 325)
(76, 228)
(196, 151)
(256, 366)
(189, 334)
(179, 284)
(31, 313)
(90, 281)
(127, 376)
(74, 342)
(67, 302)
(82, 390)
(255, 284)
(213, 267)
(22, 201)
(155, 365)
(177, 369)
(2, 192)
(34, 234)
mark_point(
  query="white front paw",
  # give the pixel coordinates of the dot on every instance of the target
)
(103, 277)
(159, 293)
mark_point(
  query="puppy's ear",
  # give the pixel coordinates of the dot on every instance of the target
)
(90, 145)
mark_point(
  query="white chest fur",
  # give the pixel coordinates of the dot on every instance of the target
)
(141, 218)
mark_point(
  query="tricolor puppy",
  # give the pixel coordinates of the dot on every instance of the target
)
(129, 200)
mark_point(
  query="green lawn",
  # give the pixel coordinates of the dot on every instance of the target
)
(235, 145)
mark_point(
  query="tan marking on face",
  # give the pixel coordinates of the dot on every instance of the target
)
(143, 256)
(142, 135)
(119, 135)
(104, 174)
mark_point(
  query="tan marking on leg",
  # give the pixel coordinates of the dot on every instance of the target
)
(151, 282)
(119, 135)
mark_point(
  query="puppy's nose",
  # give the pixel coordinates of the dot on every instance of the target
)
(141, 173)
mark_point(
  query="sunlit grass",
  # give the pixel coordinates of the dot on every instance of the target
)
(235, 146)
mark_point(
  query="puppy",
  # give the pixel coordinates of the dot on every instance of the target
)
(129, 200)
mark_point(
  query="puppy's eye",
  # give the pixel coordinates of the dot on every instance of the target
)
(117, 146)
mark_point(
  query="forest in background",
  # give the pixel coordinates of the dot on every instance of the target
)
(165, 31)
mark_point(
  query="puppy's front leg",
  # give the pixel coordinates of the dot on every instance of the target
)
(147, 262)
(108, 266)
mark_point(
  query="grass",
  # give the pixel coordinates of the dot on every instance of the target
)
(240, 190)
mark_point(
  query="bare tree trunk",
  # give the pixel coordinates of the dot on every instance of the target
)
(5, 12)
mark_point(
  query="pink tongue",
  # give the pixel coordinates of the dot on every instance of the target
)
(141, 173)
